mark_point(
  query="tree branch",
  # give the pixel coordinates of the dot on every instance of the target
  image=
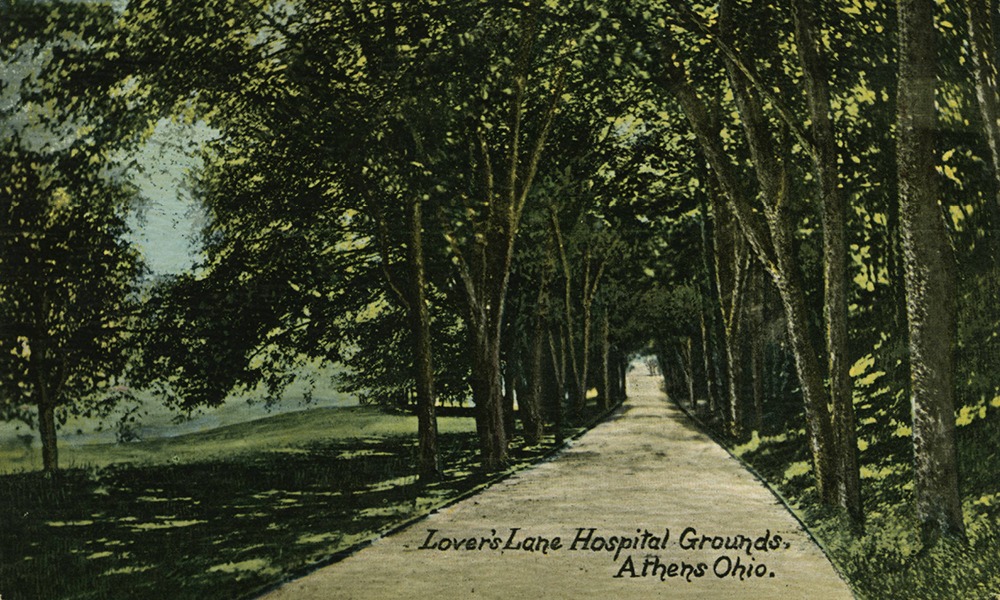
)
(786, 114)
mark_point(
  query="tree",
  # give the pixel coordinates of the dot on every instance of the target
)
(815, 81)
(68, 279)
(768, 234)
(928, 271)
(67, 291)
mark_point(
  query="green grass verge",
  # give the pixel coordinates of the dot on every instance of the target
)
(283, 431)
(888, 561)
(224, 513)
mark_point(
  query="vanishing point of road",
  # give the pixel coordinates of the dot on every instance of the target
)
(642, 506)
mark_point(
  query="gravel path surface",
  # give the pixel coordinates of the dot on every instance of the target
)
(642, 506)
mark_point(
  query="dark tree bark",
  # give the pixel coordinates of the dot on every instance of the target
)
(835, 260)
(488, 397)
(757, 342)
(710, 298)
(605, 356)
(623, 379)
(509, 397)
(511, 361)
(928, 273)
(578, 371)
(686, 364)
(558, 355)
(45, 399)
(427, 432)
(531, 405)
(49, 438)
(411, 293)
(766, 149)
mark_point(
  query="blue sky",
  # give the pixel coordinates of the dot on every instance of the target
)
(166, 226)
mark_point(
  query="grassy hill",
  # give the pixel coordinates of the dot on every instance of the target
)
(225, 512)
(282, 432)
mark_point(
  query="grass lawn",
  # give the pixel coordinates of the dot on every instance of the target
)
(223, 513)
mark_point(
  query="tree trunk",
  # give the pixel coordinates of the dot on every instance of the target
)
(511, 371)
(687, 367)
(755, 315)
(623, 380)
(709, 298)
(726, 263)
(928, 271)
(530, 407)
(569, 324)
(808, 368)
(734, 366)
(559, 368)
(705, 355)
(767, 147)
(772, 245)
(44, 400)
(485, 263)
(509, 416)
(584, 358)
(487, 395)
(427, 431)
(47, 433)
(835, 262)
(605, 352)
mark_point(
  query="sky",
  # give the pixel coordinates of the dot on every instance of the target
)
(166, 226)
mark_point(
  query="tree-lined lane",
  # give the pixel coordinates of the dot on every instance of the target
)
(646, 478)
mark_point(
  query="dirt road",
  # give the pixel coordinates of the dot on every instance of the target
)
(642, 506)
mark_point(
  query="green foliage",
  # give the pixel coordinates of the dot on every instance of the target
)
(67, 288)
(333, 119)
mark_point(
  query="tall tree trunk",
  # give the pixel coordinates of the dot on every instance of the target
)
(835, 261)
(732, 265)
(705, 329)
(767, 147)
(531, 413)
(727, 263)
(734, 366)
(755, 314)
(808, 368)
(509, 416)
(687, 367)
(484, 262)
(511, 361)
(531, 406)
(709, 298)
(427, 431)
(488, 397)
(928, 271)
(559, 368)
(569, 322)
(605, 353)
(584, 358)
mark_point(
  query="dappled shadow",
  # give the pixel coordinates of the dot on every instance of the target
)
(217, 528)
